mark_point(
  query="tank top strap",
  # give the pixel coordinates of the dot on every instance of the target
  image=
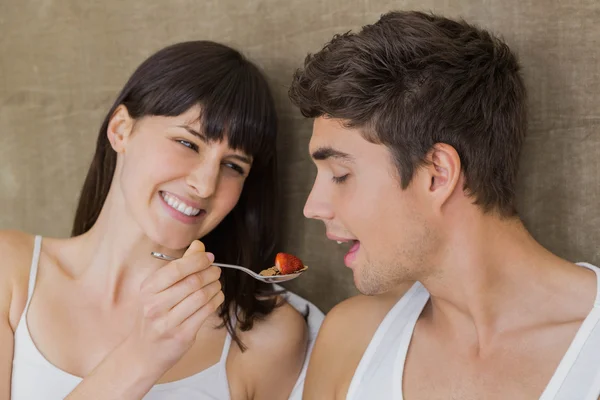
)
(35, 260)
(597, 271)
(228, 340)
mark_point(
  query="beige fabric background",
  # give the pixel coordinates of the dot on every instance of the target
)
(62, 63)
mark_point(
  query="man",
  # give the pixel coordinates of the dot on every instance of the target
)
(419, 122)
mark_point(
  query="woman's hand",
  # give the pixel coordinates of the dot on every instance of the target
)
(175, 301)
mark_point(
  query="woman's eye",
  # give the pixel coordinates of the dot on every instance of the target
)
(235, 168)
(189, 145)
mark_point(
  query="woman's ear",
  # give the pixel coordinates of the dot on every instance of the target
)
(119, 128)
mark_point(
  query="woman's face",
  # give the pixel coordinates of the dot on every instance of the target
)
(175, 184)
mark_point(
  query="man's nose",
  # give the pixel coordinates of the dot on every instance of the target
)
(317, 205)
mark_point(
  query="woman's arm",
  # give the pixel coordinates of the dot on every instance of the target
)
(6, 344)
(124, 374)
(16, 249)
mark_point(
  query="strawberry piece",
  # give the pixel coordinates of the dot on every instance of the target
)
(287, 263)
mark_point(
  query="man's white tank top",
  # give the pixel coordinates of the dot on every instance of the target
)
(379, 373)
(34, 377)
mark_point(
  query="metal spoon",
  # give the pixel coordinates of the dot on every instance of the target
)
(268, 279)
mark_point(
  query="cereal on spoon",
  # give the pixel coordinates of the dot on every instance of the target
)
(284, 264)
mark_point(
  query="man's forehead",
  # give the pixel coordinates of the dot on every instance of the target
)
(329, 126)
(331, 133)
(331, 140)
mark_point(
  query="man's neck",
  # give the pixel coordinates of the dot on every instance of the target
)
(490, 279)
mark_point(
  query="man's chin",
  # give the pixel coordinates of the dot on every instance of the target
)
(373, 286)
(367, 288)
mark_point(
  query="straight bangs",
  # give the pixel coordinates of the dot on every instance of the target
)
(233, 96)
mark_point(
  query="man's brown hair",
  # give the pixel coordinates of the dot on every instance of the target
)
(412, 80)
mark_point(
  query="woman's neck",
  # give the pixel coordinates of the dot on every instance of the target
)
(113, 257)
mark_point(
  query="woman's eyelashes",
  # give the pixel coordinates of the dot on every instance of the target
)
(188, 144)
(192, 146)
(235, 168)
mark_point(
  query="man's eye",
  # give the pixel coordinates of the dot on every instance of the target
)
(339, 179)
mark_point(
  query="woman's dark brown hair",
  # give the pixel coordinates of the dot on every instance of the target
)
(412, 80)
(236, 103)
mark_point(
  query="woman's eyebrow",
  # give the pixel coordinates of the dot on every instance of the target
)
(193, 132)
(239, 157)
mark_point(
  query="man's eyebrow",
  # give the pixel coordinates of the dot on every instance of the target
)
(324, 153)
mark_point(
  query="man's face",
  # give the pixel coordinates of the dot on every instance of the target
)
(357, 194)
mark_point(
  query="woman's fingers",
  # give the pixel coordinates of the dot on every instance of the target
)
(194, 284)
(193, 261)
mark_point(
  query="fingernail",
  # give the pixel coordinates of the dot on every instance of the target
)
(211, 257)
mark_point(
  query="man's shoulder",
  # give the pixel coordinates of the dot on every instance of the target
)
(368, 308)
(343, 339)
(358, 318)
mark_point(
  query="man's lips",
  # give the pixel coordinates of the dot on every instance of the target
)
(340, 238)
(351, 255)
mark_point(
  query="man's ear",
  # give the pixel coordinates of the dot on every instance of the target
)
(444, 169)
(119, 129)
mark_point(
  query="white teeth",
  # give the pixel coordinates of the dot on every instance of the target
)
(180, 206)
(339, 242)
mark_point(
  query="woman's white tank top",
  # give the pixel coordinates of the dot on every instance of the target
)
(34, 377)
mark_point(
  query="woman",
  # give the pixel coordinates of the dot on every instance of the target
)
(187, 151)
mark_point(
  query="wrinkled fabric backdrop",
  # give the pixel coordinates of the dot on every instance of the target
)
(62, 63)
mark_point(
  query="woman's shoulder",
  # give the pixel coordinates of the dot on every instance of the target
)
(283, 330)
(16, 249)
(275, 352)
